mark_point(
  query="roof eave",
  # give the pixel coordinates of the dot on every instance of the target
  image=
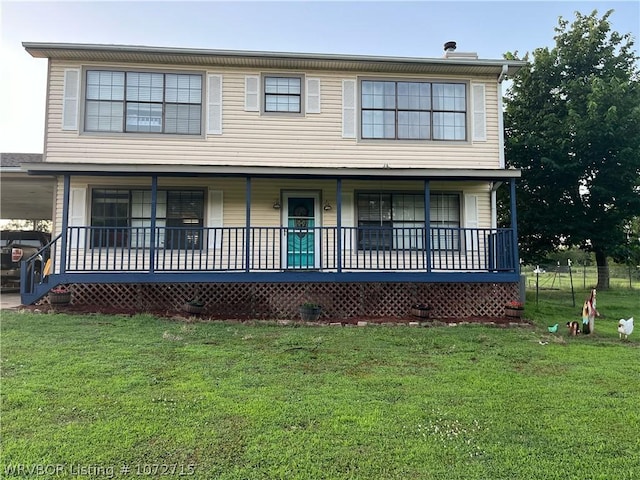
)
(271, 172)
(239, 58)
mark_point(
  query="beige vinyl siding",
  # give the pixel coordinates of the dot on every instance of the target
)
(263, 194)
(252, 139)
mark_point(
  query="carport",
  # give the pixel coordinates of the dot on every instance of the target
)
(24, 197)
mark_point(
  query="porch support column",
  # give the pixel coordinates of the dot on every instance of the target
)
(514, 226)
(247, 235)
(152, 238)
(427, 224)
(65, 223)
(339, 224)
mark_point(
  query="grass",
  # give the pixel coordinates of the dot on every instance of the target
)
(234, 401)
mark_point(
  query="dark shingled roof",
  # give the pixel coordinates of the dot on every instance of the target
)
(17, 159)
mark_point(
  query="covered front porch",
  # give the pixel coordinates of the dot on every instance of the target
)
(317, 245)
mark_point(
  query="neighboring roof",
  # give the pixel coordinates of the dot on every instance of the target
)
(284, 60)
(269, 171)
(23, 196)
(17, 159)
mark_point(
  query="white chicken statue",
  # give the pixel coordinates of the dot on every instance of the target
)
(625, 327)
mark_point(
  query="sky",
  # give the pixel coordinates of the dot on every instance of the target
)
(382, 28)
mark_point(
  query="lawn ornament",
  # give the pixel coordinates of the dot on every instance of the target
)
(574, 328)
(589, 313)
(625, 327)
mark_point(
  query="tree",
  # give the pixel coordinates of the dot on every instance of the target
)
(629, 252)
(572, 122)
(41, 225)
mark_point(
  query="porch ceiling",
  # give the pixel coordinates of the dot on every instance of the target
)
(269, 172)
(23, 197)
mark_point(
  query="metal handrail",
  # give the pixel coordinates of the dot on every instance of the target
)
(369, 248)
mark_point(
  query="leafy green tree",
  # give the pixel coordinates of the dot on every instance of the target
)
(42, 225)
(629, 252)
(572, 122)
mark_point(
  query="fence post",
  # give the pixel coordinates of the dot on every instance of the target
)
(573, 293)
(537, 272)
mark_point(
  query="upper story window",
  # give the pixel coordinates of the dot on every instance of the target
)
(282, 94)
(413, 110)
(123, 101)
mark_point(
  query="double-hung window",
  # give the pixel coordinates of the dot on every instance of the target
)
(282, 94)
(395, 221)
(404, 110)
(148, 102)
(444, 212)
(125, 218)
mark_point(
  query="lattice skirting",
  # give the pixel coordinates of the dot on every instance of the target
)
(281, 300)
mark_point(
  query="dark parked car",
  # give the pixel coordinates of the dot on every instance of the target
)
(19, 245)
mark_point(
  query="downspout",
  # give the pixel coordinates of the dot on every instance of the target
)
(503, 73)
(501, 77)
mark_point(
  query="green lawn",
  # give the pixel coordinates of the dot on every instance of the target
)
(90, 396)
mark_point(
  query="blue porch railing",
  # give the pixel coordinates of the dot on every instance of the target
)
(130, 249)
(223, 249)
(100, 250)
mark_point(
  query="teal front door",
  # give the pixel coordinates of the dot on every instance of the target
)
(301, 235)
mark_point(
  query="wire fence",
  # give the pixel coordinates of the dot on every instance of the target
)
(578, 277)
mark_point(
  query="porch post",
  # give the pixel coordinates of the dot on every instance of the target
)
(152, 239)
(247, 244)
(339, 224)
(514, 226)
(65, 223)
(427, 224)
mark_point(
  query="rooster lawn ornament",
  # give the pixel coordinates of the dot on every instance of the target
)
(625, 327)
(589, 313)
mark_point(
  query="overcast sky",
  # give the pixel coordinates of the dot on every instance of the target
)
(395, 28)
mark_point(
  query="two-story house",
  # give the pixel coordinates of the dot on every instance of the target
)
(260, 180)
